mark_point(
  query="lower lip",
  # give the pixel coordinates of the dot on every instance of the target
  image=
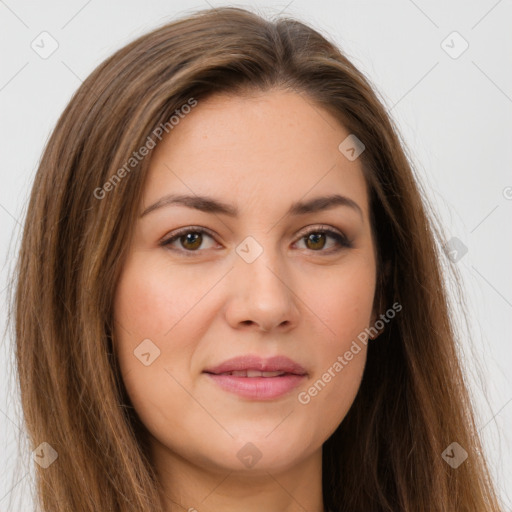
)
(258, 388)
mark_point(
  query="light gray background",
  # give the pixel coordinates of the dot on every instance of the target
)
(455, 115)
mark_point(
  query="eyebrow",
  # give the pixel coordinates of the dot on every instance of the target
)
(210, 205)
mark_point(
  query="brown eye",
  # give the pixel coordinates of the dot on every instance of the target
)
(315, 241)
(191, 240)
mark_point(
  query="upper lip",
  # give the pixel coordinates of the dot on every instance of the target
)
(251, 362)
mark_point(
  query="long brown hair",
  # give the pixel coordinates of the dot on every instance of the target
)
(412, 402)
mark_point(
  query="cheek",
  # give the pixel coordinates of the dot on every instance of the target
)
(153, 298)
(154, 315)
(155, 301)
(149, 309)
(343, 303)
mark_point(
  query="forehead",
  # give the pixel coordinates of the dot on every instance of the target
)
(273, 147)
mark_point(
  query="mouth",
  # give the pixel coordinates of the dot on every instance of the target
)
(256, 378)
(252, 373)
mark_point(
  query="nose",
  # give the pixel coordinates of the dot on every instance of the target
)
(261, 295)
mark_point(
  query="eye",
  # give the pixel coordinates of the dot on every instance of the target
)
(316, 239)
(190, 239)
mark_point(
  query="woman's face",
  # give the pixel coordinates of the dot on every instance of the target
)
(262, 283)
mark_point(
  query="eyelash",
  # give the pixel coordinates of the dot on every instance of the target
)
(342, 240)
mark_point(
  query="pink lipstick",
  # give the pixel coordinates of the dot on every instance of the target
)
(258, 378)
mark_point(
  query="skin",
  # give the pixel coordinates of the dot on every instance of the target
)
(261, 153)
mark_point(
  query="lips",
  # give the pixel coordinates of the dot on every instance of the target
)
(257, 378)
(250, 364)
(253, 373)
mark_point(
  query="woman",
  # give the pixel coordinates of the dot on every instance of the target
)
(229, 291)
